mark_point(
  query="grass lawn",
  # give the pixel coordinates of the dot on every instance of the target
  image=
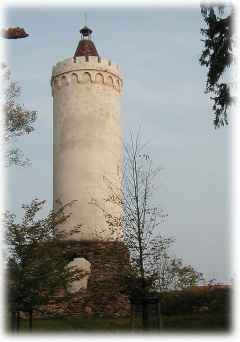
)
(207, 322)
(179, 323)
(77, 325)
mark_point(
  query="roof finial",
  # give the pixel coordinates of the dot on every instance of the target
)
(85, 31)
(85, 18)
(86, 46)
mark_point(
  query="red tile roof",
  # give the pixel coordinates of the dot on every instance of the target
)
(86, 47)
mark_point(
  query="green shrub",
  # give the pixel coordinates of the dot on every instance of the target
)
(192, 300)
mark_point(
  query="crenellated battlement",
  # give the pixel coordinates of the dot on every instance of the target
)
(85, 62)
(86, 70)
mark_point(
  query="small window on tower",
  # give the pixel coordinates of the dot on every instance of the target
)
(110, 80)
(64, 80)
(99, 78)
(75, 77)
(86, 77)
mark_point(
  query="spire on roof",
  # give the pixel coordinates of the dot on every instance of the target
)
(86, 46)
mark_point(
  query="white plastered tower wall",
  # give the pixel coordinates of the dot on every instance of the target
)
(87, 143)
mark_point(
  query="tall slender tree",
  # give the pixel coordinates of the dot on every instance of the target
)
(217, 56)
(139, 220)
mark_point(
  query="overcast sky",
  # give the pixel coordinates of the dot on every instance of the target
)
(158, 51)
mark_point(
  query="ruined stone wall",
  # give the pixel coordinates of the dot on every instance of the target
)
(104, 295)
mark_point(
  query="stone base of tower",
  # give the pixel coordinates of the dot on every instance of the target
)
(104, 295)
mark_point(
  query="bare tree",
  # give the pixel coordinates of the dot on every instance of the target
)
(139, 219)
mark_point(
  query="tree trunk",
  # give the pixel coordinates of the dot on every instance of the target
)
(144, 315)
(13, 321)
(30, 320)
(132, 317)
(18, 321)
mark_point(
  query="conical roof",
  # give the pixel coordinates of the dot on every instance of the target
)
(86, 46)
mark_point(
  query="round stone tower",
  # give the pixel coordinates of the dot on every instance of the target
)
(87, 169)
(87, 140)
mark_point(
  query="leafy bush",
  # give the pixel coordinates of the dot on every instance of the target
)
(193, 300)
